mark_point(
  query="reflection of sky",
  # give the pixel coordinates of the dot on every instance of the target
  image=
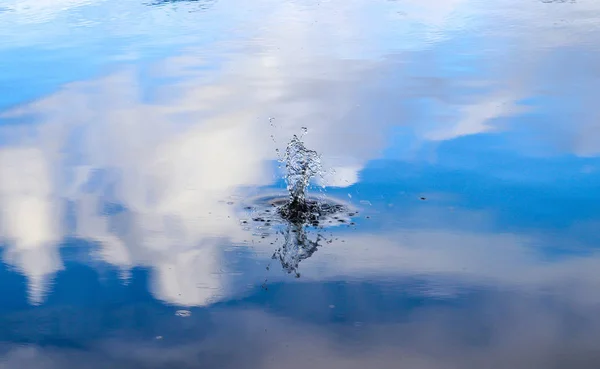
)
(132, 147)
(48, 43)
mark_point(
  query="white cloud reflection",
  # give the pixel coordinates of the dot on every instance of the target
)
(30, 216)
(173, 155)
(517, 332)
(174, 165)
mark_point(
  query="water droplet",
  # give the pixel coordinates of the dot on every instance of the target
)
(301, 165)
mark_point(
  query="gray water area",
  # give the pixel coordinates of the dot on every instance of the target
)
(447, 155)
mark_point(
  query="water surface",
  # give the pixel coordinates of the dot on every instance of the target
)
(142, 146)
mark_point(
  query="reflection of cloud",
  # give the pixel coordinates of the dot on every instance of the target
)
(33, 11)
(191, 277)
(173, 166)
(30, 216)
(510, 331)
(171, 156)
(539, 51)
(475, 118)
(453, 258)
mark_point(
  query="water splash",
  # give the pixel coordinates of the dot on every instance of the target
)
(299, 210)
(301, 165)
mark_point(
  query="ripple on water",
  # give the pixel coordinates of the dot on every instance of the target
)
(322, 211)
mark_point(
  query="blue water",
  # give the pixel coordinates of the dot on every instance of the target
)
(140, 139)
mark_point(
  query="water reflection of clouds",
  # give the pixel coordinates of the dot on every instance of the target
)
(172, 163)
(529, 81)
(513, 331)
(173, 166)
(32, 11)
(451, 261)
(30, 216)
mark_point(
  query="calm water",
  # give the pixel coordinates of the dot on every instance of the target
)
(140, 152)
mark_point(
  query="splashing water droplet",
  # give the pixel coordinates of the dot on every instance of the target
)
(301, 165)
(298, 213)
